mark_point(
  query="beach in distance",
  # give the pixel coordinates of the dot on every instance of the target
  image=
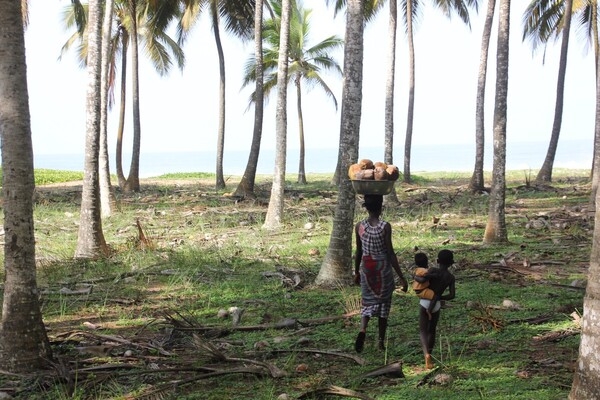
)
(526, 156)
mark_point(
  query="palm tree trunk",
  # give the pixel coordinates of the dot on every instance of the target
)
(586, 385)
(275, 209)
(90, 239)
(596, 155)
(24, 345)
(545, 173)
(477, 180)
(336, 266)
(246, 185)
(301, 171)
(133, 179)
(119, 148)
(107, 197)
(585, 382)
(220, 180)
(411, 91)
(389, 92)
(495, 230)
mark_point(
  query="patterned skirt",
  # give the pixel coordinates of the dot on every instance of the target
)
(376, 286)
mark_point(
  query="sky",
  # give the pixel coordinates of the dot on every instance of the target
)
(179, 111)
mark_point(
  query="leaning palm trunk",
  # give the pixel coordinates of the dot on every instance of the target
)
(24, 345)
(545, 173)
(220, 180)
(389, 92)
(133, 178)
(107, 197)
(477, 181)
(246, 185)
(411, 92)
(275, 209)
(495, 230)
(90, 239)
(336, 266)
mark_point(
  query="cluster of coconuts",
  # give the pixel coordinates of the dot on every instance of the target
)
(366, 169)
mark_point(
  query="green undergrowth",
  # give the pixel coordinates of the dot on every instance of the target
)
(511, 333)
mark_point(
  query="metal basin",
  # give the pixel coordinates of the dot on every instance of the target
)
(372, 186)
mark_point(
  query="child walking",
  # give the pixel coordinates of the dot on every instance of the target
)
(422, 288)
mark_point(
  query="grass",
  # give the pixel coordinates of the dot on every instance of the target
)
(138, 324)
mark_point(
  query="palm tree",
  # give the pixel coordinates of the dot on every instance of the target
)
(24, 345)
(238, 18)
(495, 230)
(246, 186)
(477, 183)
(275, 209)
(107, 196)
(90, 238)
(541, 23)
(585, 384)
(370, 10)
(154, 17)
(305, 64)
(411, 12)
(132, 183)
(334, 268)
(390, 90)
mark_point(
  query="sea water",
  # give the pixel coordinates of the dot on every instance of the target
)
(526, 156)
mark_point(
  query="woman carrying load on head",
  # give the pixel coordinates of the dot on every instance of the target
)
(373, 263)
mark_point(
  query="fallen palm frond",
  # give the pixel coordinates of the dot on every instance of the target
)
(113, 338)
(216, 355)
(485, 317)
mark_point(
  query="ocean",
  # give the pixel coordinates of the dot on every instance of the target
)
(448, 157)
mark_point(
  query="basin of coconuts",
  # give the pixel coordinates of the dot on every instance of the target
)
(370, 177)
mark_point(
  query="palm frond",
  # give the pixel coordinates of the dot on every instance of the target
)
(238, 18)
(543, 20)
(415, 13)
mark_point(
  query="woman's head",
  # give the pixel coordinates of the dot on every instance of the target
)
(373, 203)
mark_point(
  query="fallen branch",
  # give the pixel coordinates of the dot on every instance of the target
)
(335, 390)
(357, 359)
(531, 320)
(392, 370)
(555, 336)
(424, 380)
(117, 339)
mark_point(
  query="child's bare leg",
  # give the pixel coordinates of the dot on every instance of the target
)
(430, 308)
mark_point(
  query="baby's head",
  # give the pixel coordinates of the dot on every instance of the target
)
(421, 260)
